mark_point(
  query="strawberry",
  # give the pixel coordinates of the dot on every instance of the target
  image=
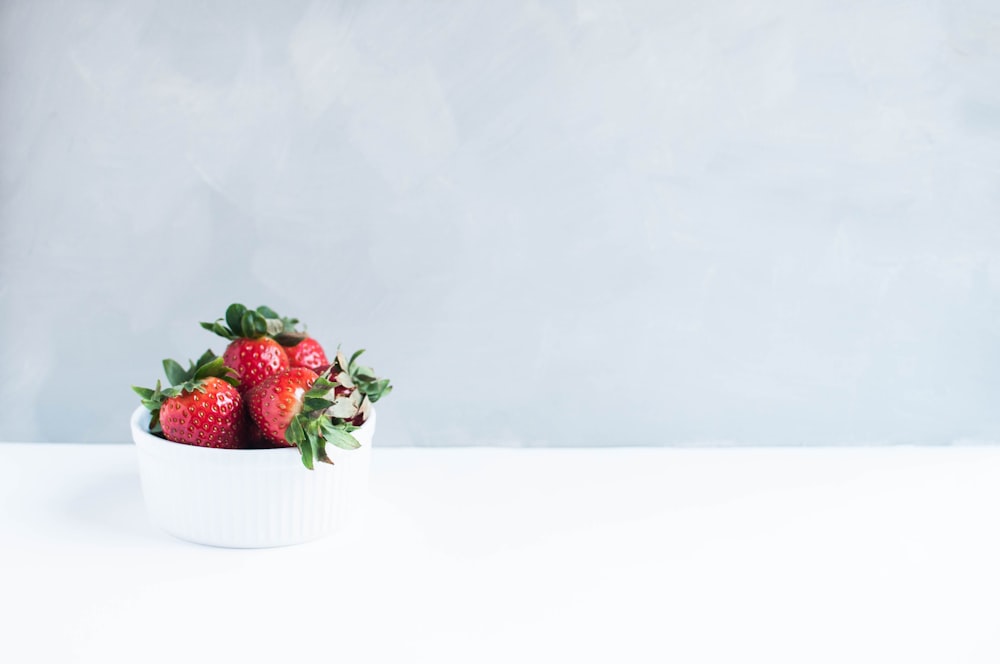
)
(253, 438)
(253, 360)
(252, 352)
(305, 353)
(291, 410)
(202, 407)
(302, 350)
(277, 400)
(356, 388)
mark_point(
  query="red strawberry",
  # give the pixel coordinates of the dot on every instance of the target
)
(306, 353)
(277, 400)
(253, 360)
(291, 409)
(208, 416)
(202, 407)
(252, 353)
(252, 438)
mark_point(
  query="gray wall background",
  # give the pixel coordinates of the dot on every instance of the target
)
(551, 223)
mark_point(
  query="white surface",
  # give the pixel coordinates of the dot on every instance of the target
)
(780, 210)
(758, 555)
(250, 498)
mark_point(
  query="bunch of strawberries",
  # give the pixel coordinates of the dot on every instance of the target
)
(273, 387)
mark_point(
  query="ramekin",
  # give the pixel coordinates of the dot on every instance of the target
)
(250, 498)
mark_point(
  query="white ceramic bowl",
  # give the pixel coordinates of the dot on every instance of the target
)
(250, 498)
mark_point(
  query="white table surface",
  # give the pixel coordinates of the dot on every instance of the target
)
(500, 555)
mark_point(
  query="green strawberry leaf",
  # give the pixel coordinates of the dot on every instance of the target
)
(221, 330)
(212, 368)
(375, 390)
(267, 312)
(315, 440)
(307, 458)
(323, 384)
(175, 372)
(205, 358)
(341, 439)
(316, 403)
(246, 324)
(350, 363)
(143, 392)
(294, 433)
(152, 400)
(234, 317)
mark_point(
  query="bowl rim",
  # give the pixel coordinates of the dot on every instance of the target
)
(139, 423)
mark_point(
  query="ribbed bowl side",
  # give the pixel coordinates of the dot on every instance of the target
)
(250, 498)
